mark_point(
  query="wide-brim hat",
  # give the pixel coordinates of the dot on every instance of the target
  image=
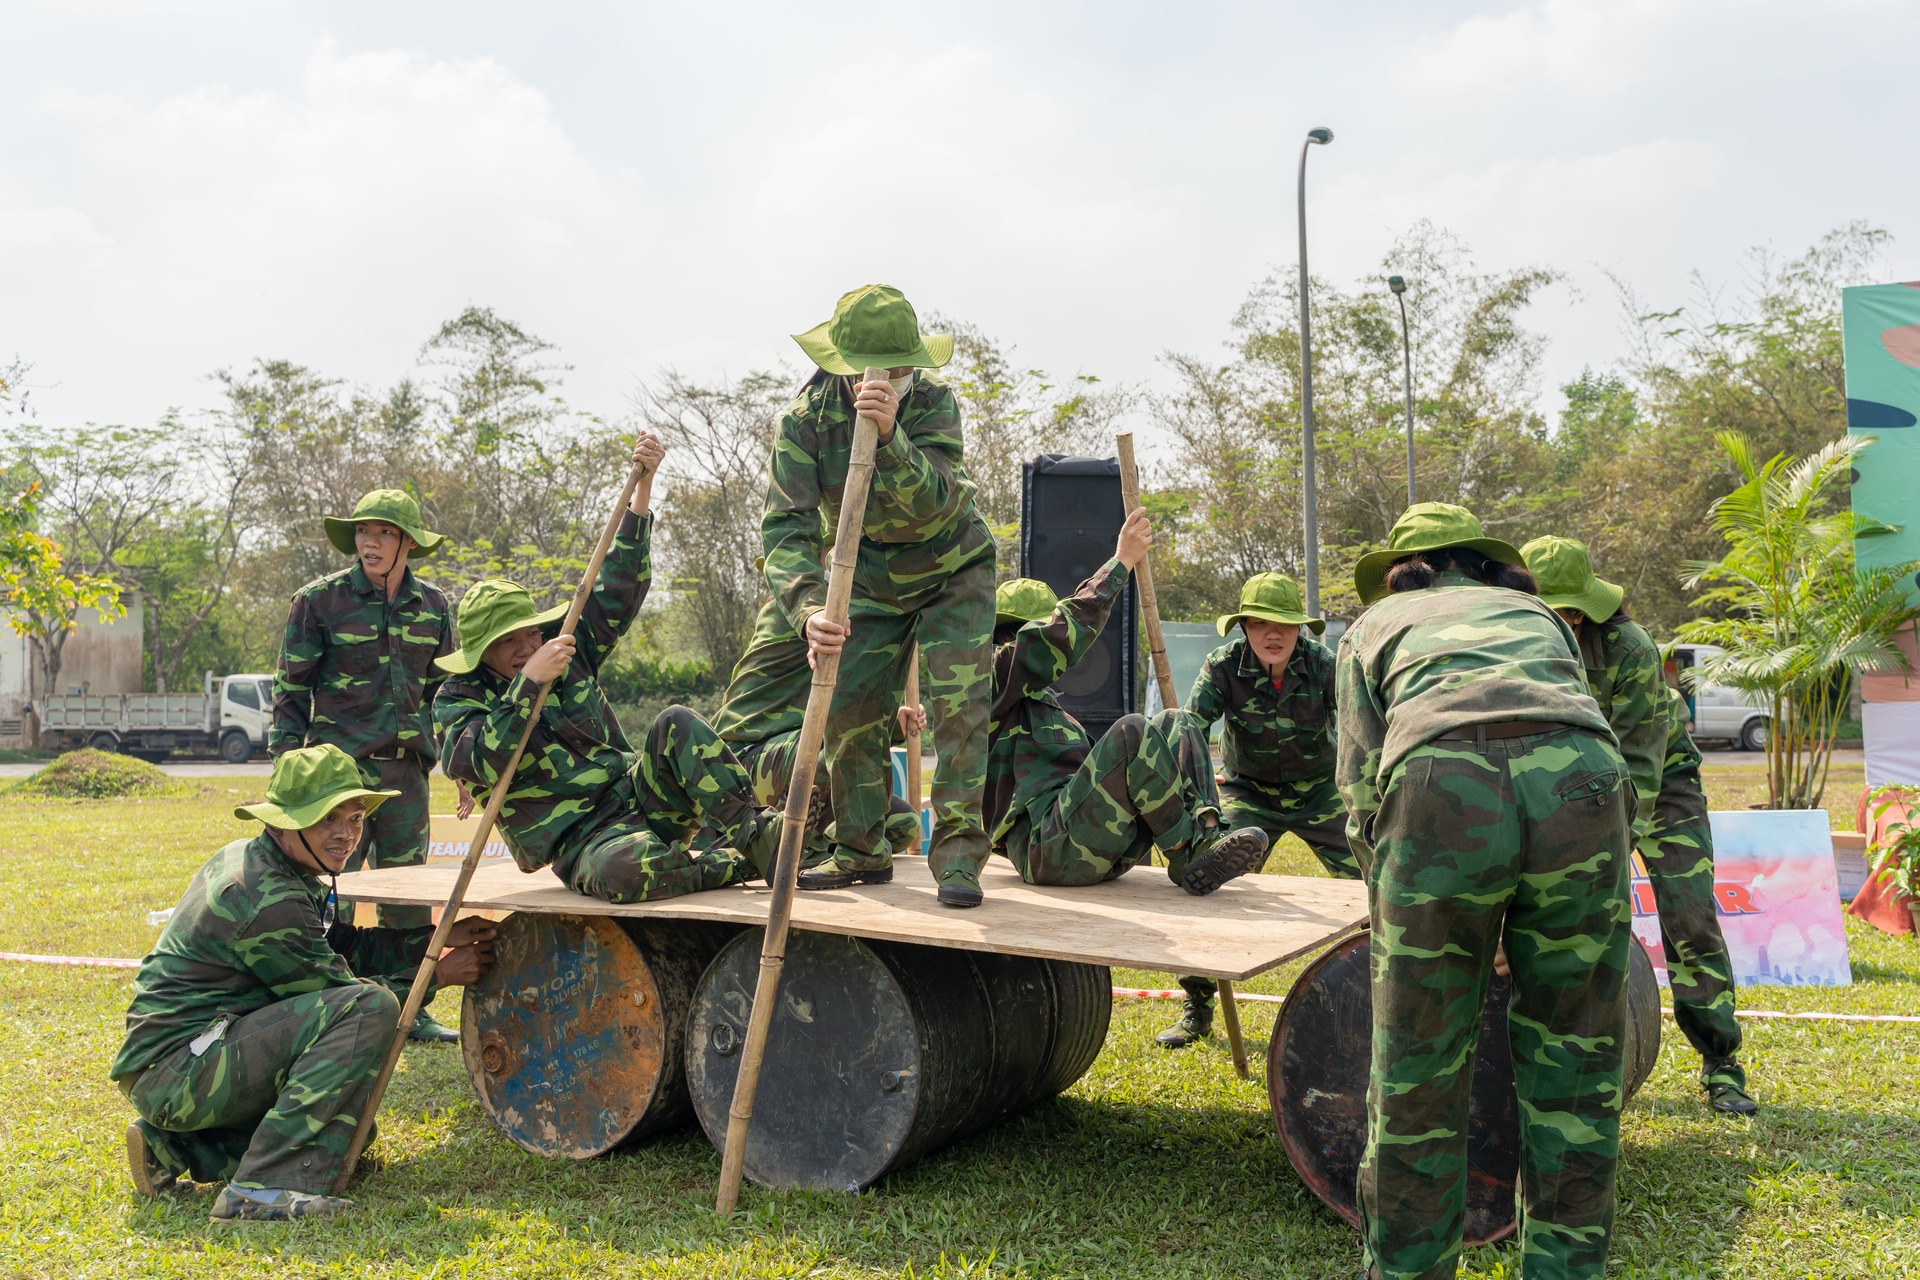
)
(309, 783)
(1271, 597)
(396, 507)
(1427, 526)
(1563, 571)
(874, 327)
(1023, 600)
(491, 609)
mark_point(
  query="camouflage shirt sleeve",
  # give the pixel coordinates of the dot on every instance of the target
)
(1207, 701)
(1363, 736)
(1638, 714)
(389, 957)
(918, 485)
(301, 649)
(790, 532)
(287, 952)
(1041, 652)
(478, 734)
(618, 592)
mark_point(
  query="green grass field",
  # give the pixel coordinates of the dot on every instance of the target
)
(1154, 1165)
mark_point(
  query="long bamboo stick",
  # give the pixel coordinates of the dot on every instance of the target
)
(1170, 698)
(813, 731)
(417, 993)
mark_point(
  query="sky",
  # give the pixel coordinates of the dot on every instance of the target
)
(186, 187)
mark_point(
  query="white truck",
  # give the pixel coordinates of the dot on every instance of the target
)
(1718, 711)
(230, 716)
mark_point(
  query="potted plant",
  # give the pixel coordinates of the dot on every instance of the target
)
(1899, 863)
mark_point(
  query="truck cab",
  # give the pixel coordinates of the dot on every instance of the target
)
(246, 710)
(1716, 710)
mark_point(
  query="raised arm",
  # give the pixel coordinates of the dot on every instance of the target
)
(477, 734)
(1044, 651)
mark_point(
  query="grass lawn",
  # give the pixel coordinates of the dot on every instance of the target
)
(1155, 1165)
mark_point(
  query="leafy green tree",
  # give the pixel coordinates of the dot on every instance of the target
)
(43, 596)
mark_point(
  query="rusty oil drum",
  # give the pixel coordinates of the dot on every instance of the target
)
(1318, 1062)
(575, 1039)
(880, 1052)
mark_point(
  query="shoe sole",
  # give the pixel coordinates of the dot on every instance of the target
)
(1235, 854)
(814, 881)
(959, 895)
(138, 1155)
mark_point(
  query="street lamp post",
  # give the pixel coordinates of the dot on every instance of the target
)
(1310, 515)
(1399, 286)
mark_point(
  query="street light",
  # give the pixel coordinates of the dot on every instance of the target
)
(1310, 517)
(1399, 286)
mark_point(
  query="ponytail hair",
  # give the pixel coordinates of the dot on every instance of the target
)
(1418, 571)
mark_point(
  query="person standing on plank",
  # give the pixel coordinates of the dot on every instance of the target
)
(1069, 812)
(614, 823)
(258, 1024)
(1671, 831)
(356, 670)
(1273, 685)
(925, 574)
(1487, 803)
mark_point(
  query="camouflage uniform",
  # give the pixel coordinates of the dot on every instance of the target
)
(924, 574)
(1464, 841)
(1277, 749)
(615, 824)
(356, 670)
(255, 1032)
(1066, 813)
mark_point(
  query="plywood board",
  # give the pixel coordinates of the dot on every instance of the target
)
(1140, 921)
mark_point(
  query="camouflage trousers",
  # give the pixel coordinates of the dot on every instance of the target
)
(668, 826)
(1678, 854)
(273, 1102)
(1146, 784)
(1525, 838)
(395, 834)
(770, 764)
(1312, 811)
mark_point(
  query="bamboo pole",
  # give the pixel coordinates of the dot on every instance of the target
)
(416, 994)
(912, 699)
(813, 731)
(1169, 698)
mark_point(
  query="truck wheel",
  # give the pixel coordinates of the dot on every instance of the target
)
(1753, 734)
(152, 755)
(104, 742)
(236, 747)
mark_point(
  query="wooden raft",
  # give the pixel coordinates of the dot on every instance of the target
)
(1140, 921)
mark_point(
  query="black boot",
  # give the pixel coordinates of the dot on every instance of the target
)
(1196, 1020)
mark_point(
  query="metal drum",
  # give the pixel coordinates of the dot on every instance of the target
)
(1319, 1059)
(575, 1039)
(880, 1052)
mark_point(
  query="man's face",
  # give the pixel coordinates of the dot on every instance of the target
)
(1271, 642)
(510, 652)
(334, 838)
(383, 547)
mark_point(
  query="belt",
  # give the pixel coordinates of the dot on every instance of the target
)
(1504, 729)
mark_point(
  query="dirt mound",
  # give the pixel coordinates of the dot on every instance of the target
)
(100, 775)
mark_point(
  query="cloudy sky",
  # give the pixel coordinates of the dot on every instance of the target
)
(186, 186)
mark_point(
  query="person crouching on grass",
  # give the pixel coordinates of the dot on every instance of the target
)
(614, 823)
(258, 1023)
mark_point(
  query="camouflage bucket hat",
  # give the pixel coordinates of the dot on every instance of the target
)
(1022, 600)
(394, 506)
(1564, 573)
(1427, 526)
(489, 610)
(874, 326)
(1271, 597)
(308, 784)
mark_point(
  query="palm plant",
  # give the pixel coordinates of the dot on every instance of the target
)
(1800, 619)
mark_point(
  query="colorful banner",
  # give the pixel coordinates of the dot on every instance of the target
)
(1880, 326)
(448, 838)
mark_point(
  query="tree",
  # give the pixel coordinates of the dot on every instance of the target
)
(45, 599)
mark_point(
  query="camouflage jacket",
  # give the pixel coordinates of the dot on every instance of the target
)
(1274, 734)
(1623, 674)
(246, 935)
(1033, 745)
(1422, 663)
(920, 526)
(578, 757)
(1682, 757)
(356, 669)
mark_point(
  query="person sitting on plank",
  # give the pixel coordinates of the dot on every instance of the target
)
(1068, 812)
(676, 816)
(258, 1023)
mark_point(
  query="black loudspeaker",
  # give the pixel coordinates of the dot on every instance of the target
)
(1070, 514)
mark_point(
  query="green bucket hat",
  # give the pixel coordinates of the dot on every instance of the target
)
(309, 783)
(1564, 573)
(489, 610)
(393, 506)
(874, 326)
(1427, 526)
(1272, 597)
(1022, 600)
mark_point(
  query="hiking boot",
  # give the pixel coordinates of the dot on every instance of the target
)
(426, 1029)
(847, 868)
(960, 887)
(1232, 855)
(150, 1176)
(247, 1204)
(1725, 1081)
(1196, 1023)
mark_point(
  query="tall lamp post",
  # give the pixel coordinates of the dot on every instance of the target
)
(1399, 286)
(1310, 517)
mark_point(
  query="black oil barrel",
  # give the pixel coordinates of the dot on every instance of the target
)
(1319, 1059)
(575, 1040)
(880, 1052)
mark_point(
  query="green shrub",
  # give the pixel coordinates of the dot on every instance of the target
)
(644, 679)
(100, 775)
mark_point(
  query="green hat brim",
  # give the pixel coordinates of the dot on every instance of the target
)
(340, 534)
(1599, 601)
(1370, 571)
(466, 658)
(1228, 621)
(301, 816)
(935, 350)
(1002, 619)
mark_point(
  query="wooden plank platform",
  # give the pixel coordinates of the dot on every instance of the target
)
(1140, 921)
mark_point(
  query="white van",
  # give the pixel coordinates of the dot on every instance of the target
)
(1718, 712)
